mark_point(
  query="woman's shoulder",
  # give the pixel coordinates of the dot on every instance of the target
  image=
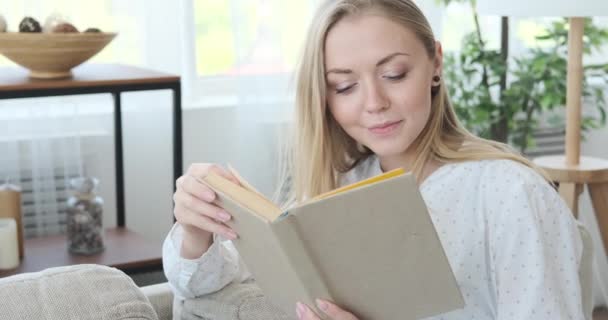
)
(500, 175)
(497, 179)
(498, 169)
(502, 186)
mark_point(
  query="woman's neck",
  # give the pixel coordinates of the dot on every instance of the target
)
(407, 162)
(393, 162)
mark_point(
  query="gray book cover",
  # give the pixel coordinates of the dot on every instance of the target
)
(372, 250)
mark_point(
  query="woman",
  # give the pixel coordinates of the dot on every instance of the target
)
(370, 98)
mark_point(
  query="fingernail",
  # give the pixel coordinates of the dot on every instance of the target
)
(209, 196)
(231, 235)
(299, 310)
(223, 215)
(322, 305)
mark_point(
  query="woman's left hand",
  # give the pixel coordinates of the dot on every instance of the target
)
(333, 311)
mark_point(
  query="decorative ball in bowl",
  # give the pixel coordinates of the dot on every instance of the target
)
(52, 55)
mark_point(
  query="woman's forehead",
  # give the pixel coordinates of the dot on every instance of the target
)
(365, 35)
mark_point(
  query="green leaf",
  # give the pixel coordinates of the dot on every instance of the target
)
(537, 82)
(546, 102)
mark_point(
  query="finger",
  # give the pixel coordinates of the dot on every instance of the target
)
(224, 173)
(201, 170)
(196, 188)
(198, 169)
(304, 313)
(333, 311)
(200, 207)
(188, 217)
(179, 181)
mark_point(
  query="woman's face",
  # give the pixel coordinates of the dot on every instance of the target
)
(379, 79)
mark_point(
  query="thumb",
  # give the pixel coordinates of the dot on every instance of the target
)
(224, 173)
(333, 311)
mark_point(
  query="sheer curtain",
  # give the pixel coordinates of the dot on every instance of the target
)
(41, 138)
(40, 152)
(263, 70)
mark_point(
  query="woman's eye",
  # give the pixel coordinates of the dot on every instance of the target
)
(395, 77)
(344, 89)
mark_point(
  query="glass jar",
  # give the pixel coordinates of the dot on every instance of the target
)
(84, 217)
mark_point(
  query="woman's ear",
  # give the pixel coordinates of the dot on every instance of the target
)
(438, 58)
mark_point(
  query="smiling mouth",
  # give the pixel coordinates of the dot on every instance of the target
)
(385, 128)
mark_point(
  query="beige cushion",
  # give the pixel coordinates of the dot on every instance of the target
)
(236, 301)
(80, 292)
(161, 297)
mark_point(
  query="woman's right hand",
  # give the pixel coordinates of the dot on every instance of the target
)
(195, 212)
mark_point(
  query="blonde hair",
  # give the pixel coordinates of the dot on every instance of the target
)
(322, 151)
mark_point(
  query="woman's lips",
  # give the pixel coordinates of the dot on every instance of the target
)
(385, 128)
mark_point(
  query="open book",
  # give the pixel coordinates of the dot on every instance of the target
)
(370, 247)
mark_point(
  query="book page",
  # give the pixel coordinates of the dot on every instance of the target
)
(244, 182)
(244, 197)
(378, 178)
(249, 197)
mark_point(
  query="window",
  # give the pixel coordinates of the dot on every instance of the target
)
(239, 44)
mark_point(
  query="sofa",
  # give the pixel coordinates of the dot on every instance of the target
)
(82, 292)
(87, 292)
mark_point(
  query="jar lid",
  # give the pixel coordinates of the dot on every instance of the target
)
(84, 184)
(7, 186)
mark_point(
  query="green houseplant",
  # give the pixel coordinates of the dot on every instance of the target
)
(503, 98)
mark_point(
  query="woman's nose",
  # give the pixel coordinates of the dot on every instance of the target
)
(376, 99)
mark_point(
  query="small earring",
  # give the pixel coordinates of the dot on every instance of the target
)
(435, 86)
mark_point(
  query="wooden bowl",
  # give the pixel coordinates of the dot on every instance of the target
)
(52, 55)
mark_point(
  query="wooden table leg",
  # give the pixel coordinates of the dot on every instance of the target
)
(599, 198)
(570, 193)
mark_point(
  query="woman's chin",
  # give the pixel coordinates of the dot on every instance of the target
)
(384, 150)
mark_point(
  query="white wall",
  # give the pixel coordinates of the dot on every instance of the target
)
(210, 135)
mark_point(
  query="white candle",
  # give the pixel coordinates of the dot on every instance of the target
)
(10, 207)
(9, 249)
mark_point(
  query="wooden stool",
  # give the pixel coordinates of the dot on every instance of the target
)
(592, 172)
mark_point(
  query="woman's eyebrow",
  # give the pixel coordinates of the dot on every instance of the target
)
(340, 71)
(381, 62)
(390, 57)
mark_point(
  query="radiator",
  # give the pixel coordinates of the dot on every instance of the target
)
(43, 202)
(548, 141)
(42, 168)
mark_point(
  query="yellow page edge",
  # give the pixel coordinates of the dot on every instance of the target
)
(387, 175)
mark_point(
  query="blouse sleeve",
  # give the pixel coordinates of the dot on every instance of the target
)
(217, 267)
(535, 249)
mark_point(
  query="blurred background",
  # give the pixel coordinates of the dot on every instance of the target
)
(236, 60)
